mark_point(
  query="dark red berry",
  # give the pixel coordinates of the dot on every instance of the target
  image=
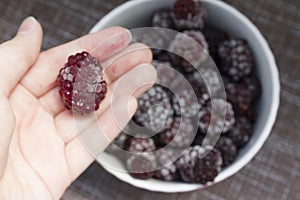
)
(194, 167)
(188, 50)
(189, 14)
(81, 83)
(236, 59)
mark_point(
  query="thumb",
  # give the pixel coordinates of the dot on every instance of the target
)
(7, 124)
(19, 54)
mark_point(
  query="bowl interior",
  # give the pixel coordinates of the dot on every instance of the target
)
(135, 14)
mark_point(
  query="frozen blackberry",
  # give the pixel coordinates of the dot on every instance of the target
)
(185, 104)
(241, 97)
(189, 14)
(236, 59)
(214, 37)
(154, 109)
(164, 19)
(228, 150)
(137, 145)
(194, 167)
(141, 166)
(181, 134)
(220, 123)
(188, 50)
(81, 83)
(241, 131)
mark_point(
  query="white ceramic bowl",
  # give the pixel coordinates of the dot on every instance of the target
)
(134, 14)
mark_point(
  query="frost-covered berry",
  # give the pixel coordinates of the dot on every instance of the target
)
(194, 167)
(81, 84)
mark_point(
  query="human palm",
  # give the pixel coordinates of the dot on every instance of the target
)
(41, 152)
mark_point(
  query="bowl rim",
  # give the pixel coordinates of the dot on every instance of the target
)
(249, 155)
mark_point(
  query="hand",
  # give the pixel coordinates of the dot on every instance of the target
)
(40, 150)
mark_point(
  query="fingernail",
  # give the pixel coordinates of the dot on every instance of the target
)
(27, 26)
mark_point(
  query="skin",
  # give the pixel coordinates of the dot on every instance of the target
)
(41, 148)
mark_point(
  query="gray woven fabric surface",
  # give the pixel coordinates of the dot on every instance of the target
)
(275, 171)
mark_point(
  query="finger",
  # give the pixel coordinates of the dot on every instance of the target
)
(83, 150)
(19, 54)
(134, 82)
(102, 45)
(117, 66)
(7, 124)
(125, 60)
